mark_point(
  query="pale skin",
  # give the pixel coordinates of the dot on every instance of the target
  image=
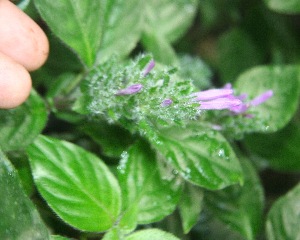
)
(24, 47)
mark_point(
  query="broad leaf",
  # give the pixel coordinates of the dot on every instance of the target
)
(151, 234)
(19, 218)
(76, 184)
(150, 192)
(280, 150)
(240, 207)
(190, 206)
(78, 23)
(284, 6)
(123, 28)
(21, 125)
(201, 155)
(277, 111)
(283, 219)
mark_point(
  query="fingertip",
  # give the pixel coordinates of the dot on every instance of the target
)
(15, 83)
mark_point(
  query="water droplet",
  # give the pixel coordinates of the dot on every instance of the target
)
(123, 162)
(174, 171)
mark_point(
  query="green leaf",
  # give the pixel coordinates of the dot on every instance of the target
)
(78, 23)
(237, 53)
(160, 48)
(151, 234)
(277, 111)
(201, 155)
(76, 184)
(283, 219)
(150, 191)
(190, 206)
(112, 139)
(122, 30)
(20, 126)
(19, 218)
(165, 22)
(240, 207)
(284, 6)
(280, 150)
(169, 19)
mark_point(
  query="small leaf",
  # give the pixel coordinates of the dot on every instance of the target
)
(123, 30)
(240, 207)
(151, 234)
(76, 184)
(283, 219)
(280, 149)
(21, 125)
(19, 218)
(201, 155)
(78, 23)
(284, 6)
(190, 206)
(150, 193)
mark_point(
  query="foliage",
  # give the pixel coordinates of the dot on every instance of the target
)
(115, 143)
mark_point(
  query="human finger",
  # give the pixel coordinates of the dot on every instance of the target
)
(21, 38)
(15, 83)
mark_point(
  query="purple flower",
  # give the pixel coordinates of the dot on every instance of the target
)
(261, 98)
(212, 94)
(149, 67)
(220, 103)
(132, 89)
(166, 102)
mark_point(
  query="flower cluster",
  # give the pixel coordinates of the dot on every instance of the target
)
(212, 99)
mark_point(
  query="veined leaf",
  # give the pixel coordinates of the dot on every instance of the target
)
(19, 126)
(240, 207)
(190, 206)
(150, 192)
(78, 23)
(19, 219)
(123, 27)
(201, 155)
(76, 184)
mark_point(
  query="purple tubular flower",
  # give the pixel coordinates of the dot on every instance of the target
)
(227, 86)
(220, 103)
(166, 102)
(261, 98)
(212, 94)
(149, 67)
(240, 108)
(132, 89)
